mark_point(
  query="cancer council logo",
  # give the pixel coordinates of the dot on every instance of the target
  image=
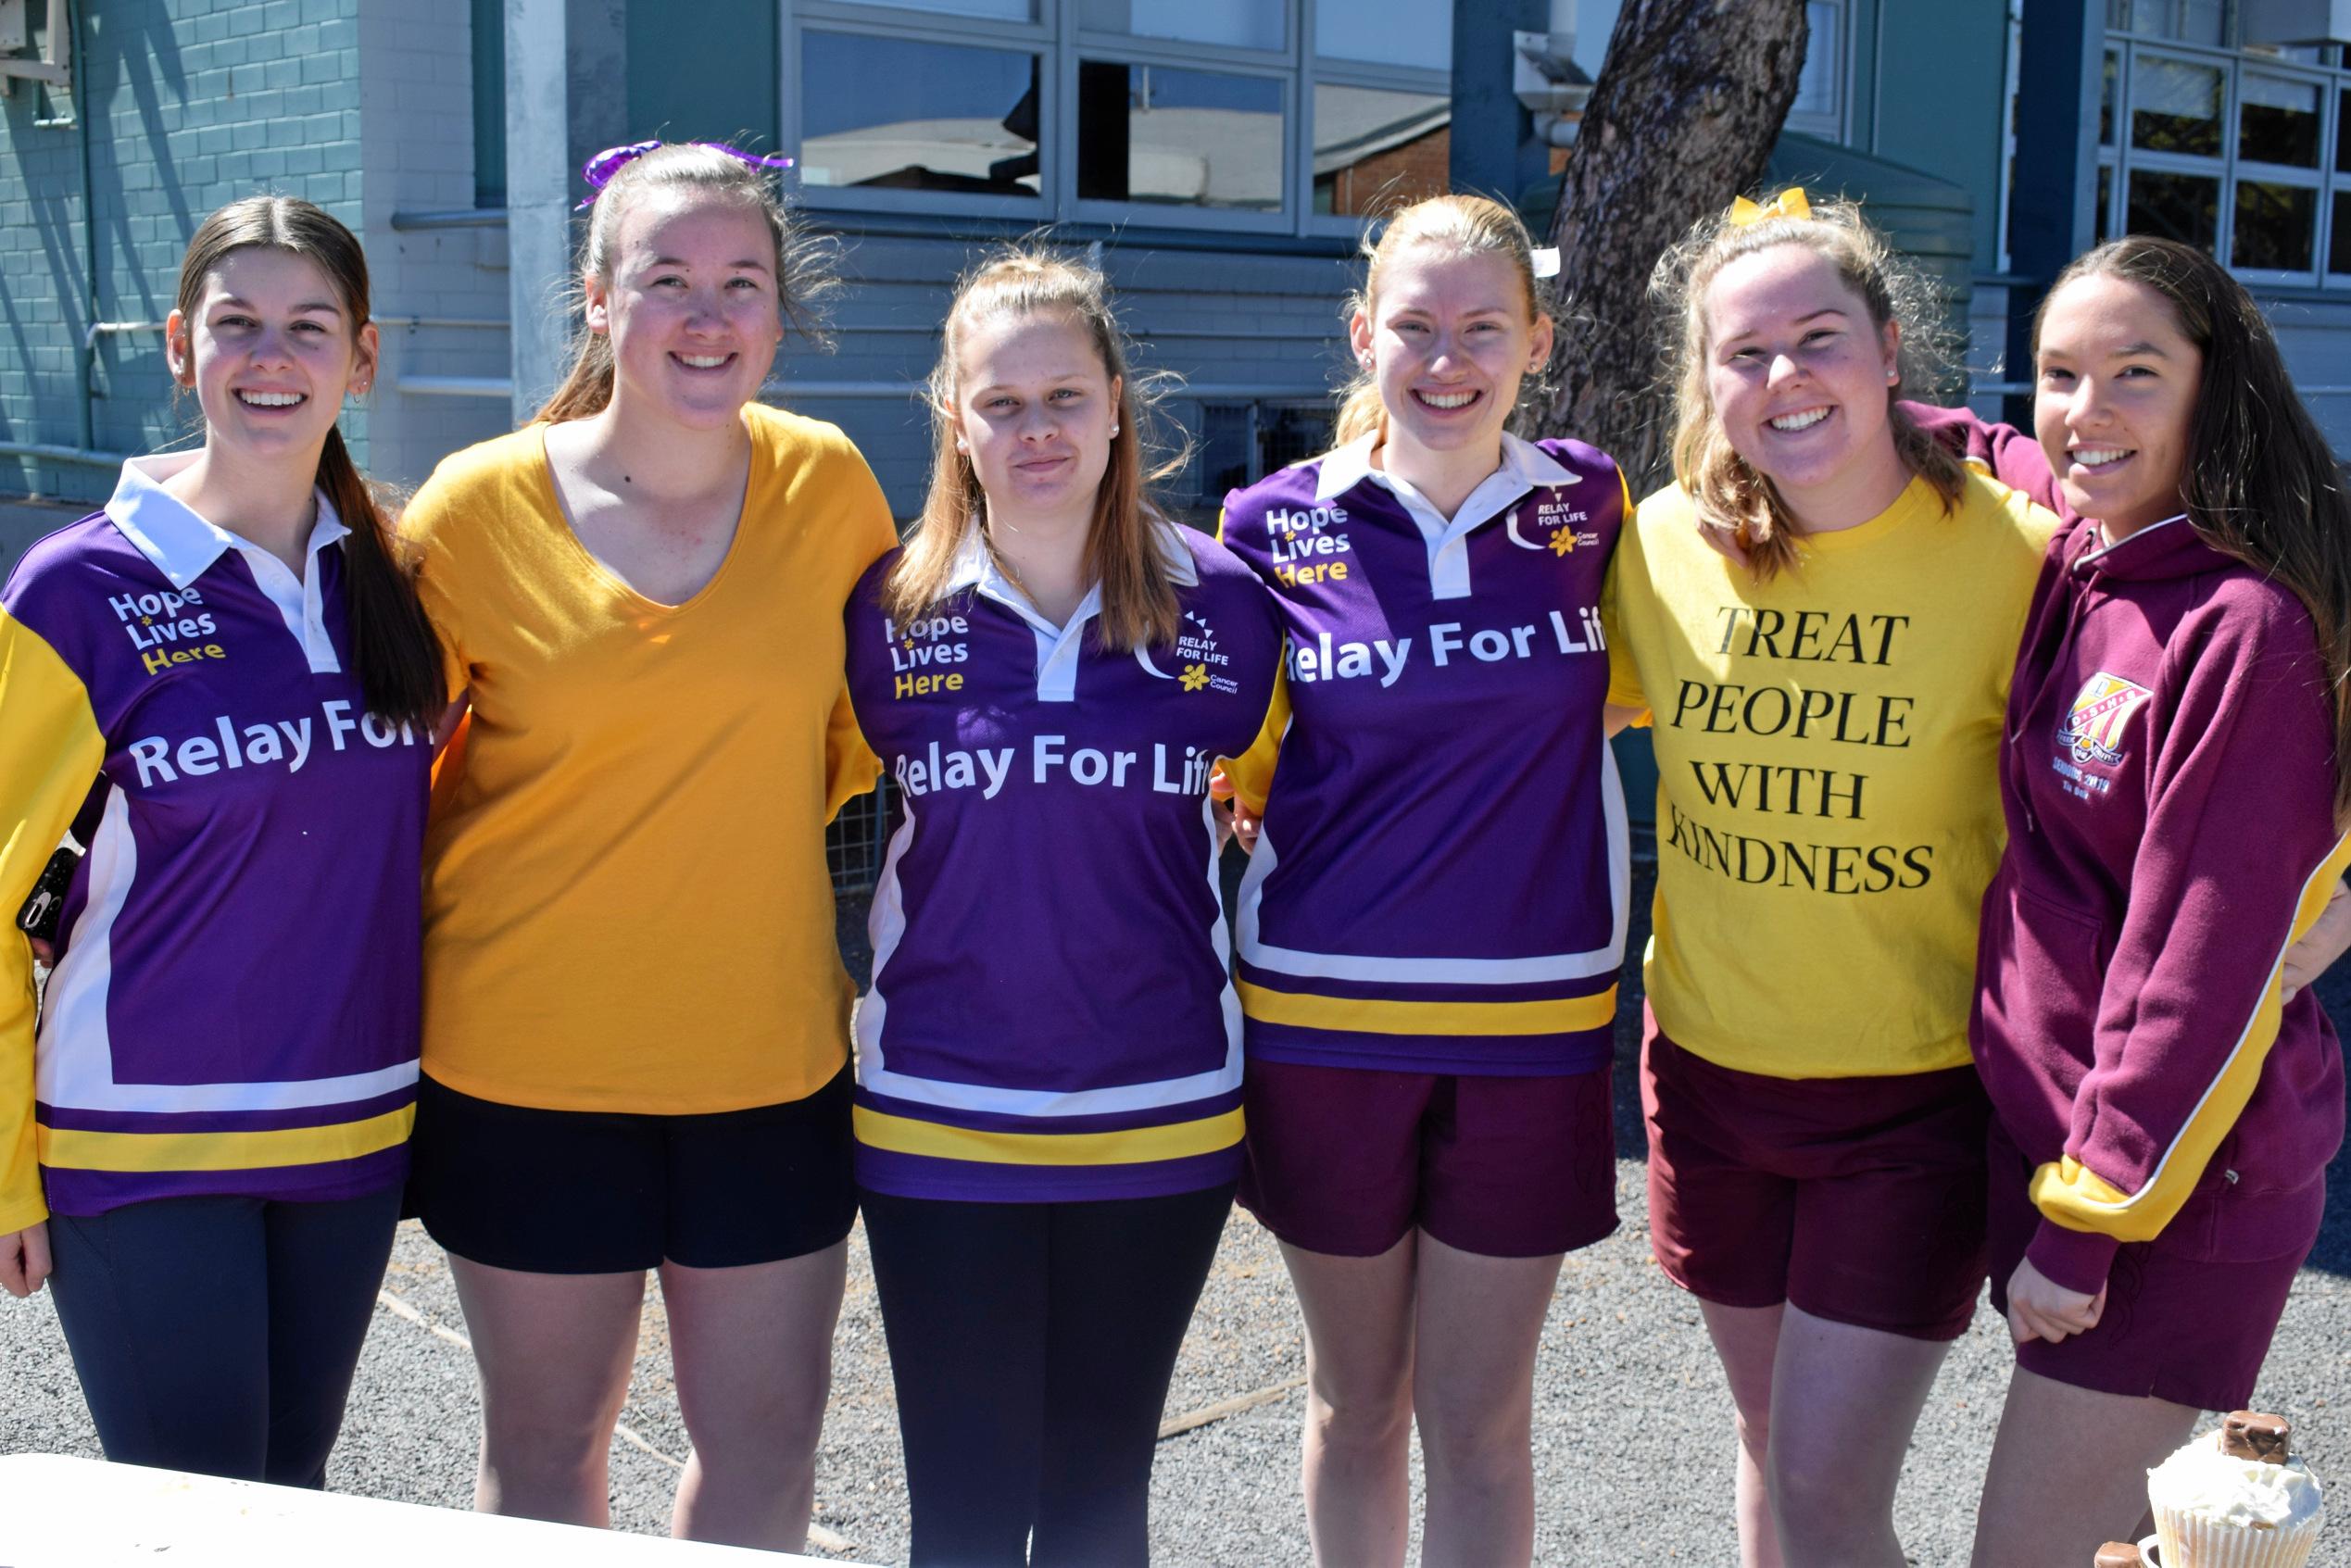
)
(2091, 729)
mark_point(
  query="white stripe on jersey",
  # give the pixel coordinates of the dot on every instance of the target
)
(74, 1064)
(886, 926)
(1261, 954)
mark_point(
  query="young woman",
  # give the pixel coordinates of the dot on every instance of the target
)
(635, 1019)
(1435, 912)
(1827, 718)
(1048, 1089)
(224, 678)
(2175, 772)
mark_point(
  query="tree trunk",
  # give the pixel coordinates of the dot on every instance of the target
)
(1691, 97)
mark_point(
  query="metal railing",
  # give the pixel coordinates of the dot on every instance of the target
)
(857, 839)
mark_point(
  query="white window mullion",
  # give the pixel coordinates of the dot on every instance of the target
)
(1060, 200)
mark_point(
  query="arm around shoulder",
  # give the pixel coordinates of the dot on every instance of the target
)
(51, 738)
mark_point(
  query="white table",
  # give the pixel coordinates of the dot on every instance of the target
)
(59, 1512)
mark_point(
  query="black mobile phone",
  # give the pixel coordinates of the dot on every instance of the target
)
(39, 917)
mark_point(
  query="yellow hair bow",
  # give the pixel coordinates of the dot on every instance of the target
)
(1790, 203)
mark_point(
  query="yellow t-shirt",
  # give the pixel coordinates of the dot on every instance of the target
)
(1828, 804)
(626, 906)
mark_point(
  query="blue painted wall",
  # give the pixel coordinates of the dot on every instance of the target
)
(185, 103)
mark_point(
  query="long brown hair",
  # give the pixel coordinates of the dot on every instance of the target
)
(394, 650)
(1466, 225)
(804, 276)
(1728, 493)
(1139, 597)
(2260, 481)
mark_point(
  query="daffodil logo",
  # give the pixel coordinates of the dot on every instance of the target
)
(1563, 540)
(1195, 676)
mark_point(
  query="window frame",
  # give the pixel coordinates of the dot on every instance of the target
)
(2236, 65)
(1834, 124)
(1057, 38)
(1002, 37)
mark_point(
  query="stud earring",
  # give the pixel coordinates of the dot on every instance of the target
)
(1113, 431)
(963, 449)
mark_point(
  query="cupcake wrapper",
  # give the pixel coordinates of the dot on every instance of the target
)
(2191, 1542)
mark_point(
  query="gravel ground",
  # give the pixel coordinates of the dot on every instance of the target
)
(1632, 1444)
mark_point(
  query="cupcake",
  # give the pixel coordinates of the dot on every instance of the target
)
(2235, 1497)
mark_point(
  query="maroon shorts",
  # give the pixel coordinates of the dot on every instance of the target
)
(1348, 1159)
(1858, 1199)
(2186, 1319)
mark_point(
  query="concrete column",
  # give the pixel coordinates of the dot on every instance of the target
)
(539, 180)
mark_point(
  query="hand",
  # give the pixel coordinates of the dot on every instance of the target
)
(2039, 1307)
(1231, 810)
(2325, 941)
(24, 1259)
(46, 956)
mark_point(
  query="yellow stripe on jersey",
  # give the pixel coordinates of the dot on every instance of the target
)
(1559, 1016)
(1178, 1140)
(53, 749)
(1252, 773)
(2078, 1199)
(69, 1149)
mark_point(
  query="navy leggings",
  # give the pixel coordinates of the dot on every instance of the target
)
(1032, 1345)
(219, 1335)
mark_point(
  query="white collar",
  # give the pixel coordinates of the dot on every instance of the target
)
(2105, 544)
(1349, 466)
(1057, 647)
(168, 532)
(976, 563)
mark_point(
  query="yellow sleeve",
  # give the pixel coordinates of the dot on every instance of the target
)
(53, 750)
(423, 530)
(850, 766)
(1252, 773)
(867, 535)
(1624, 675)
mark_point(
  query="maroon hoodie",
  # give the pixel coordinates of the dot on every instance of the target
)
(2167, 776)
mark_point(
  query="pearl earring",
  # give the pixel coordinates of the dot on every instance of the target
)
(966, 451)
(1113, 431)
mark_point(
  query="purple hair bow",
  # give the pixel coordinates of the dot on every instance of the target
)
(598, 171)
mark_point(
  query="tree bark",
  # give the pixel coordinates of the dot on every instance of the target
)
(1689, 99)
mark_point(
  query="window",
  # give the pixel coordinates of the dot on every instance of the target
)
(1267, 115)
(1820, 106)
(1239, 24)
(988, 11)
(1182, 138)
(1375, 147)
(1393, 32)
(2240, 151)
(901, 114)
(2184, 21)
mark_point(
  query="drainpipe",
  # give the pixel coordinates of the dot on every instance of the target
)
(86, 420)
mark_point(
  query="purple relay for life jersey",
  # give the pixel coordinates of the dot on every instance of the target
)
(1442, 880)
(234, 1007)
(1051, 1015)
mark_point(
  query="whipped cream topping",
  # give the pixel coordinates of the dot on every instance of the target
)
(2200, 1480)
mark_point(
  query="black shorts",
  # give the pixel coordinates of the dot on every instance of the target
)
(588, 1192)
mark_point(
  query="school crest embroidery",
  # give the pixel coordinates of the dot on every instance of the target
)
(2092, 730)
